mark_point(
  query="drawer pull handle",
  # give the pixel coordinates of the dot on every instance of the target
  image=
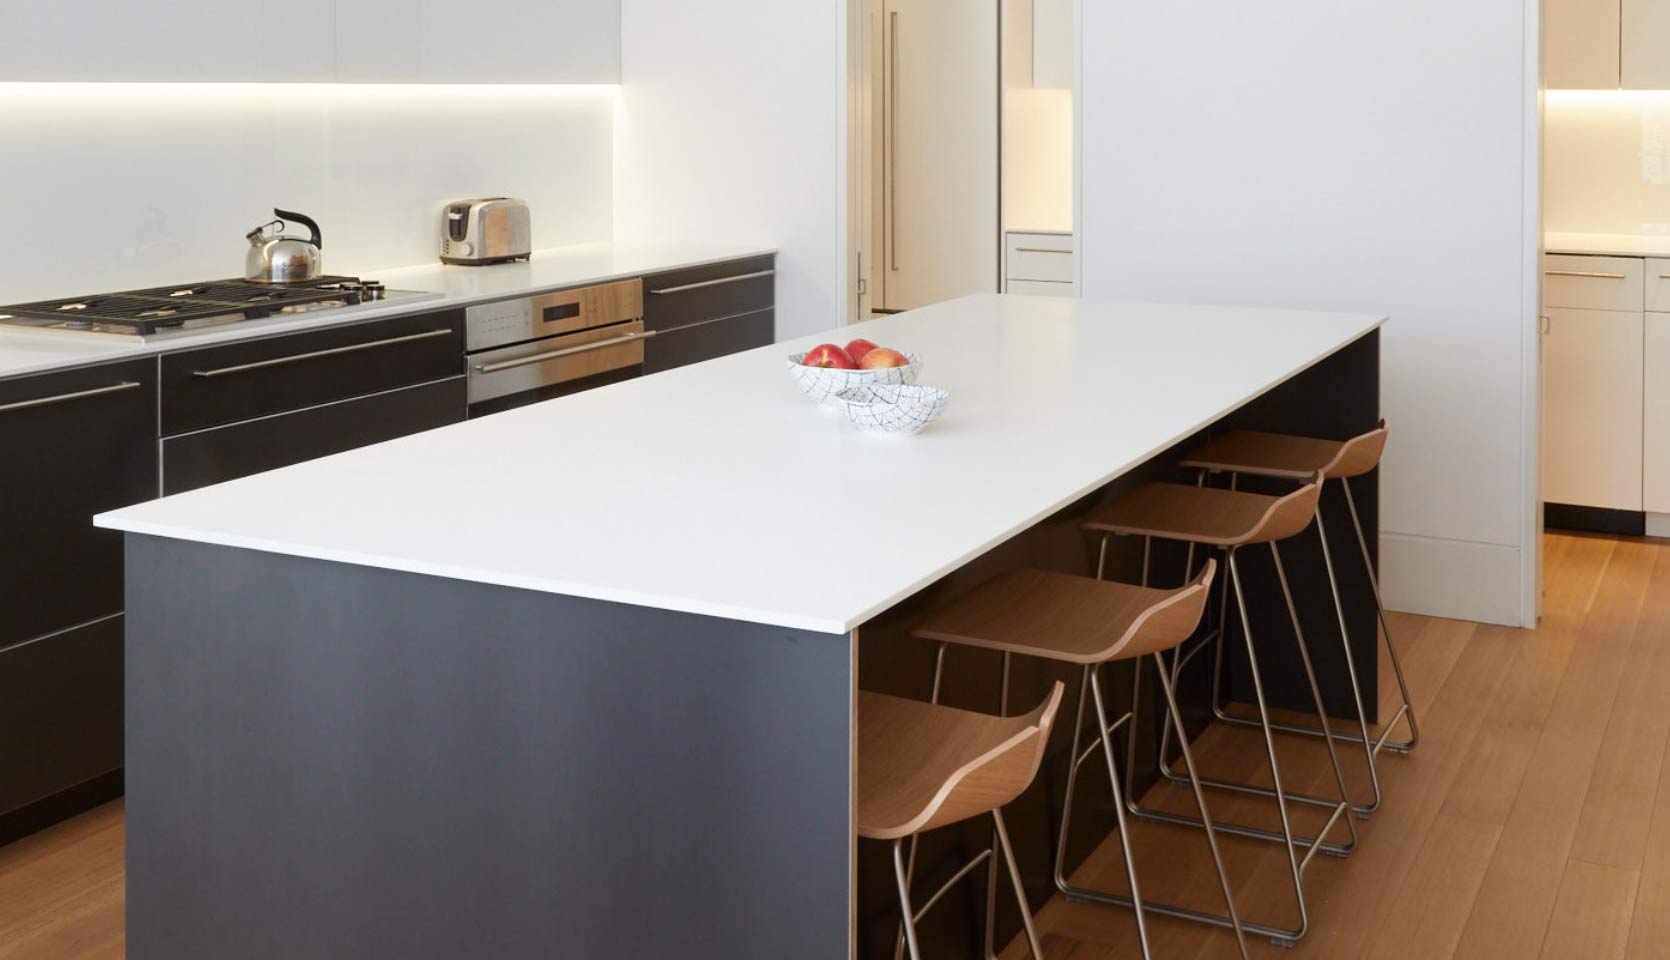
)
(1041, 250)
(713, 283)
(564, 352)
(66, 397)
(1586, 273)
(294, 358)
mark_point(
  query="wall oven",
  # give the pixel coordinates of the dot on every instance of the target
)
(535, 348)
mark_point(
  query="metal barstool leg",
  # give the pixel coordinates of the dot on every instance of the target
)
(910, 860)
(1316, 696)
(906, 920)
(1020, 888)
(1407, 710)
(1124, 828)
(1200, 801)
(1336, 806)
(1270, 748)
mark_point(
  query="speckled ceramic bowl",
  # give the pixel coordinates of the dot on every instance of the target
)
(893, 408)
(822, 383)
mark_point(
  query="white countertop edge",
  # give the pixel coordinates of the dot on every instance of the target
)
(1606, 245)
(117, 521)
(52, 351)
(471, 575)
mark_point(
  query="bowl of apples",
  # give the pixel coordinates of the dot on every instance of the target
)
(827, 369)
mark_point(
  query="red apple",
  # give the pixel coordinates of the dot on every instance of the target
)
(828, 355)
(858, 348)
(883, 357)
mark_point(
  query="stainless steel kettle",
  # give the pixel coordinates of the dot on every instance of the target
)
(276, 258)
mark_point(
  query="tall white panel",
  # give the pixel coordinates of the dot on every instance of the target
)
(1350, 156)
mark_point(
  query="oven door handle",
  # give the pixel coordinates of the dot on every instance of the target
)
(564, 352)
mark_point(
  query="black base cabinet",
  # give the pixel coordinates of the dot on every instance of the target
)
(60, 712)
(76, 443)
(704, 341)
(240, 449)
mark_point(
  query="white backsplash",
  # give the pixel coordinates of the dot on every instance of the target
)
(1606, 162)
(111, 186)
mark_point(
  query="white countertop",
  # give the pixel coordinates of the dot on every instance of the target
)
(1607, 244)
(34, 351)
(719, 489)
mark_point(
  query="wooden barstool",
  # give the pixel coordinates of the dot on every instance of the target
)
(1232, 520)
(922, 766)
(1287, 457)
(1089, 622)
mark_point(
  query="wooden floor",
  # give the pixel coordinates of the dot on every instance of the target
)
(1533, 820)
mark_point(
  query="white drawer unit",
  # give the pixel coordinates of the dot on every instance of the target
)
(1040, 257)
(1658, 285)
(1655, 426)
(1041, 288)
(1592, 411)
(1594, 283)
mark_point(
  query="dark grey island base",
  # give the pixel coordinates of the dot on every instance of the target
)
(336, 761)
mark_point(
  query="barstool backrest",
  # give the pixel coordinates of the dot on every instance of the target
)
(999, 775)
(1169, 622)
(1289, 515)
(1359, 455)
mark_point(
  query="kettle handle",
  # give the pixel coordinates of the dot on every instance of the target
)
(305, 221)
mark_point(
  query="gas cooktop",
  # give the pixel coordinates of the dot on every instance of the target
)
(161, 311)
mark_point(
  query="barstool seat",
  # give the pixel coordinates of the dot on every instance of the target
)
(1058, 616)
(921, 765)
(1288, 456)
(1206, 515)
(1089, 622)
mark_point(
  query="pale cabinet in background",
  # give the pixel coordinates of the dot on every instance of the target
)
(1580, 44)
(1593, 408)
(1655, 466)
(1040, 264)
(1052, 43)
(1645, 45)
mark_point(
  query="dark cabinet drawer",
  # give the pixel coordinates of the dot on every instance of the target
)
(705, 341)
(75, 444)
(257, 378)
(682, 297)
(60, 711)
(240, 449)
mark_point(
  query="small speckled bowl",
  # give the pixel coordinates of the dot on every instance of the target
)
(893, 408)
(823, 383)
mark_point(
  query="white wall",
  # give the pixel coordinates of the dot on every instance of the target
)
(111, 186)
(1354, 156)
(1607, 165)
(732, 128)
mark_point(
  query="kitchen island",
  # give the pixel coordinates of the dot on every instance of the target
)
(579, 678)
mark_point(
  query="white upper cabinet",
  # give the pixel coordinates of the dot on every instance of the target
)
(1052, 43)
(321, 41)
(1646, 45)
(189, 41)
(1580, 43)
(478, 41)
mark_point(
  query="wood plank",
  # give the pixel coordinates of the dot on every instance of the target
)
(61, 891)
(1510, 915)
(1437, 894)
(1592, 913)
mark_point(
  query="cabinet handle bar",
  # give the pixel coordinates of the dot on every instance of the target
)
(1041, 250)
(66, 397)
(1586, 273)
(334, 351)
(713, 283)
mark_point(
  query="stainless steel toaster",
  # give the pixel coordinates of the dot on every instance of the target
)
(485, 230)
